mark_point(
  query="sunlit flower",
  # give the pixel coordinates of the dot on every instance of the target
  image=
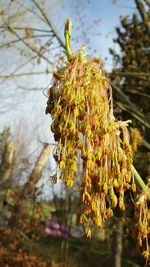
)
(84, 126)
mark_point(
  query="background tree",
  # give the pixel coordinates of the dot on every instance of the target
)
(132, 74)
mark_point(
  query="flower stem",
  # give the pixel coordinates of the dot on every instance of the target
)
(139, 180)
(67, 34)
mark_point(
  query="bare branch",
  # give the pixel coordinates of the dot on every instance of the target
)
(50, 24)
(26, 8)
(133, 113)
(136, 75)
(125, 99)
(131, 91)
(38, 52)
(145, 144)
(19, 67)
(3, 28)
(28, 61)
(24, 38)
(23, 74)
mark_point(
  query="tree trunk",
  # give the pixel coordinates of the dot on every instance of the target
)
(37, 171)
(29, 187)
(6, 170)
(8, 164)
(117, 243)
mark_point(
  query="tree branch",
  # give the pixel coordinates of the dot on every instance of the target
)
(20, 67)
(125, 99)
(23, 74)
(144, 14)
(26, 44)
(133, 113)
(135, 75)
(23, 28)
(132, 91)
(23, 38)
(50, 24)
(145, 144)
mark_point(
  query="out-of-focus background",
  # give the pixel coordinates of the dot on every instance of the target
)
(39, 220)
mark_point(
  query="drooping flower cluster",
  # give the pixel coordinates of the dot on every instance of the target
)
(143, 224)
(136, 139)
(80, 103)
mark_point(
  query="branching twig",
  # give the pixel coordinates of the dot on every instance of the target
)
(135, 75)
(23, 74)
(28, 45)
(131, 74)
(128, 106)
(50, 24)
(126, 99)
(133, 113)
(132, 91)
(19, 67)
(24, 28)
(145, 144)
(24, 38)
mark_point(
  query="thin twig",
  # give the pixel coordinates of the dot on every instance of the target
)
(50, 24)
(24, 38)
(135, 75)
(132, 91)
(24, 28)
(145, 144)
(23, 74)
(19, 67)
(125, 99)
(132, 74)
(128, 109)
(25, 63)
(28, 45)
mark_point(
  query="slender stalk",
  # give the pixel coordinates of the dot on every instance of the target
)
(140, 182)
(67, 34)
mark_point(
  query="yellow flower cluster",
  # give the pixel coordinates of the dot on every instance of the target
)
(84, 126)
(136, 139)
(143, 225)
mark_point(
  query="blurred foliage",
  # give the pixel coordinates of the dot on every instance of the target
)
(132, 75)
(132, 66)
